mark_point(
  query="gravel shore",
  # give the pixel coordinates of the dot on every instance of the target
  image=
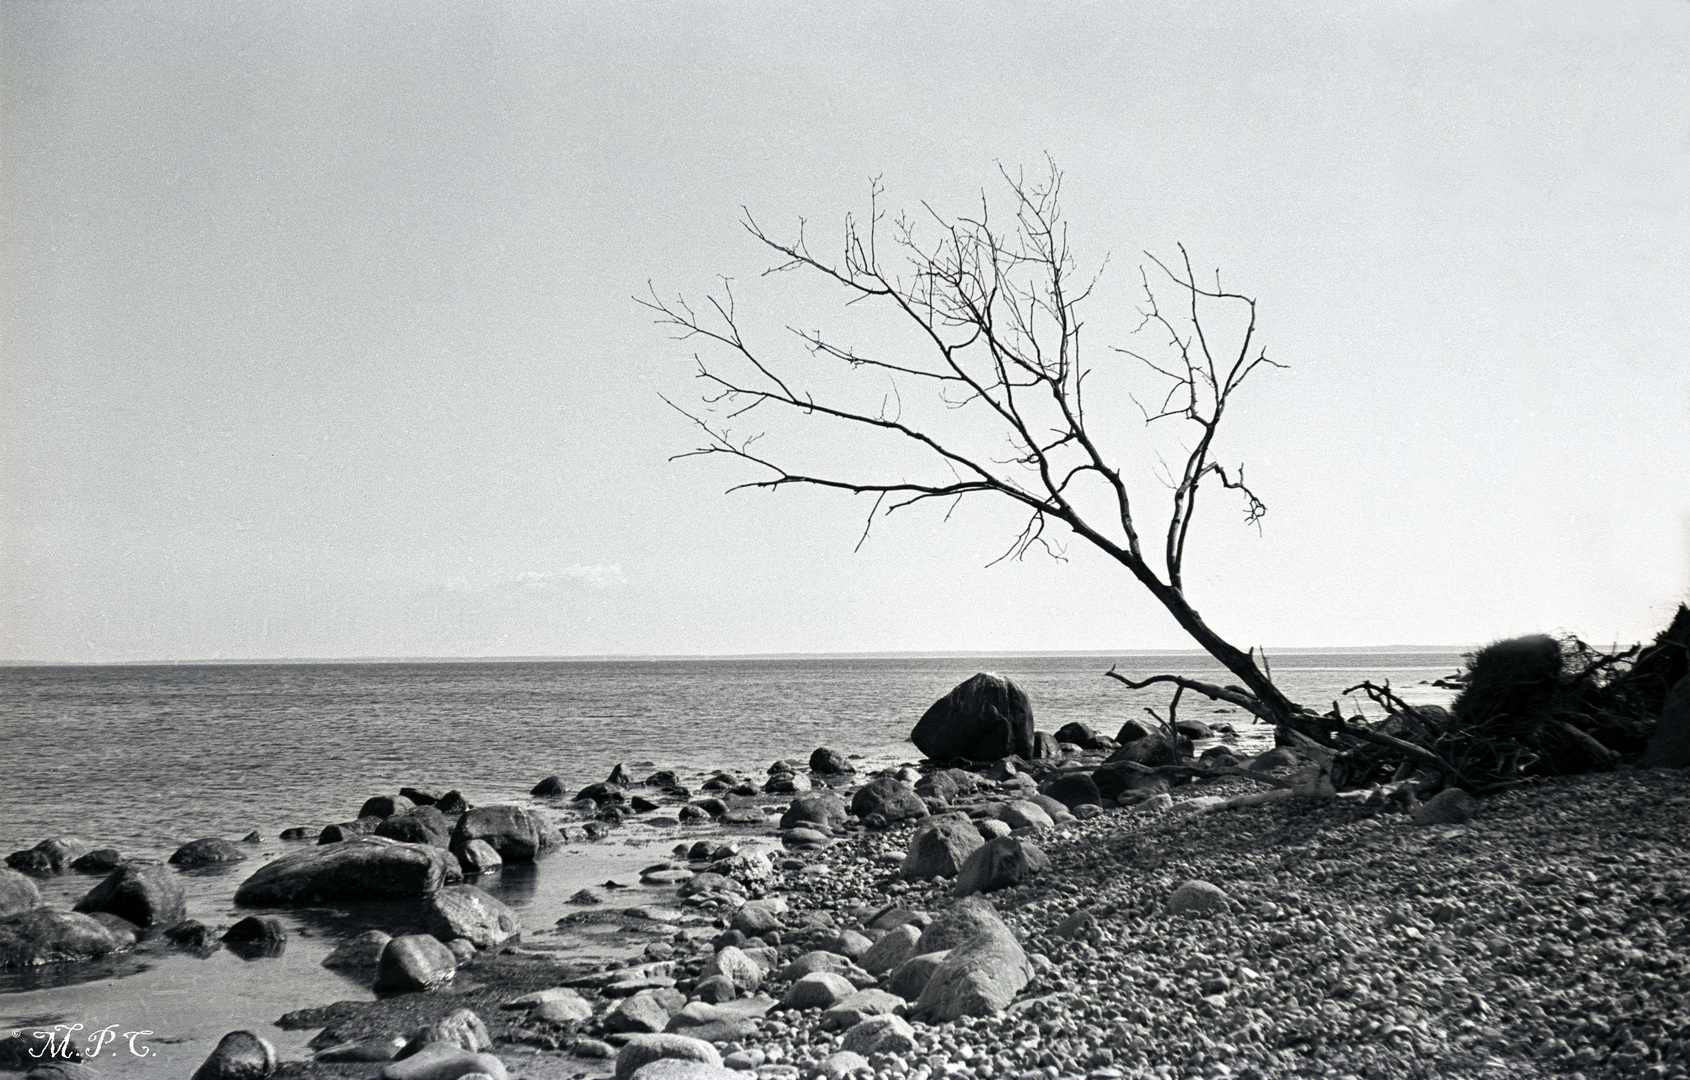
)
(1546, 936)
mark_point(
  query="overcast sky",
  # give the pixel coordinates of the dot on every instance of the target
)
(319, 339)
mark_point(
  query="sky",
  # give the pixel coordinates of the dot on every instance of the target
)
(319, 334)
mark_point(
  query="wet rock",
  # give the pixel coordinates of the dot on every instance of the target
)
(939, 848)
(206, 851)
(362, 953)
(17, 893)
(821, 809)
(349, 830)
(368, 868)
(421, 796)
(418, 825)
(298, 832)
(52, 856)
(464, 911)
(1073, 789)
(23, 1049)
(146, 894)
(829, 762)
(257, 935)
(240, 1055)
(413, 962)
(999, 864)
(550, 786)
(385, 806)
(369, 1051)
(892, 799)
(442, 1061)
(588, 895)
(478, 857)
(122, 931)
(1451, 806)
(818, 990)
(453, 802)
(100, 860)
(1079, 735)
(1197, 898)
(192, 934)
(1193, 729)
(982, 719)
(1153, 750)
(1045, 747)
(517, 834)
(642, 1050)
(786, 784)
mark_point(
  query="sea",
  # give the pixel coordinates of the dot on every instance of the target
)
(147, 757)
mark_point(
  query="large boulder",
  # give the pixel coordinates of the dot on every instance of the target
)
(1669, 747)
(818, 809)
(939, 848)
(362, 953)
(884, 1034)
(642, 1050)
(464, 911)
(909, 978)
(146, 894)
(368, 868)
(414, 962)
(817, 990)
(946, 785)
(893, 948)
(829, 762)
(207, 851)
(1023, 814)
(1045, 746)
(891, 798)
(985, 718)
(979, 977)
(1000, 863)
(17, 893)
(961, 921)
(1073, 789)
(418, 825)
(45, 936)
(384, 806)
(517, 834)
(240, 1055)
(257, 935)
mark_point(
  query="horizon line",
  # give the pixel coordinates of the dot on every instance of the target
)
(920, 654)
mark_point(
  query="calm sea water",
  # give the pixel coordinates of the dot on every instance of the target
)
(146, 758)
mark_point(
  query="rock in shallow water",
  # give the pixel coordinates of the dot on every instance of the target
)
(983, 718)
(517, 834)
(17, 893)
(44, 936)
(464, 911)
(257, 935)
(368, 868)
(240, 1055)
(414, 962)
(443, 1061)
(146, 894)
(362, 953)
(207, 851)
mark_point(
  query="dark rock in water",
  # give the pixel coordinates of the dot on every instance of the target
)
(787, 784)
(362, 953)
(551, 785)
(414, 962)
(385, 806)
(17, 893)
(613, 814)
(693, 815)
(257, 935)
(892, 799)
(1045, 747)
(49, 856)
(45, 936)
(517, 834)
(478, 857)
(745, 789)
(1669, 747)
(369, 868)
(418, 825)
(419, 797)
(947, 784)
(146, 894)
(713, 807)
(464, 911)
(191, 934)
(618, 776)
(984, 718)
(1078, 734)
(1131, 731)
(460, 1028)
(940, 847)
(1193, 729)
(452, 802)
(1152, 750)
(252, 837)
(719, 782)
(1072, 789)
(979, 977)
(1219, 757)
(349, 830)
(829, 762)
(1000, 863)
(204, 852)
(663, 778)
(241, 1055)
(299, 832)
(640, 805)
(603, 793)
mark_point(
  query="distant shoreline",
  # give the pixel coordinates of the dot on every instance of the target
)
(655, 658)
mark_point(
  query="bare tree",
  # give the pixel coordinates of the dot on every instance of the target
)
(995, 312)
